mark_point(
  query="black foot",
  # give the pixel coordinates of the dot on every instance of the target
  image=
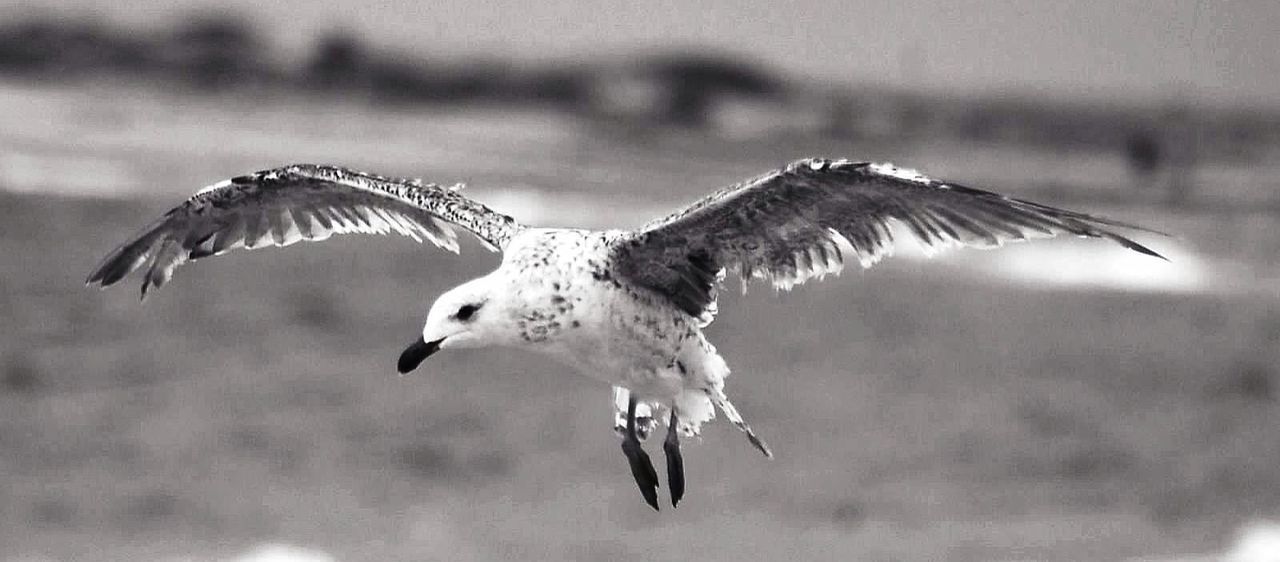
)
(642, 470)
(675, 462)
(641, 467)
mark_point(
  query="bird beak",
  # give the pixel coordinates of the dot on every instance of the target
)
(416, 353)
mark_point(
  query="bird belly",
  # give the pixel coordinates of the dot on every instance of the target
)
(635, 346)
(619, 358)
(575, 308)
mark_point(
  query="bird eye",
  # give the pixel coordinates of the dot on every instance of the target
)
(466, 311)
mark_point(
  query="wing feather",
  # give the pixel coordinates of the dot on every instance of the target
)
(302, 220)
(287, 205)
(253, 228)
(230, 237)
(794, 224)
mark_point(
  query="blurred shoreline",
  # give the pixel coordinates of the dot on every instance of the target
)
(688, 87)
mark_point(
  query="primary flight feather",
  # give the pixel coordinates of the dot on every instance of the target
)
(625, 307)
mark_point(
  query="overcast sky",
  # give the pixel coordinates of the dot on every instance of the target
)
(1224, 50)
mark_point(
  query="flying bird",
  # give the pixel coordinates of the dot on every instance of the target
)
(626, 307)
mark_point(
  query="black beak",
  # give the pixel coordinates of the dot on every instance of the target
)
(416, 353)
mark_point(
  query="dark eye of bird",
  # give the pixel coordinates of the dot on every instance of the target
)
(466, 311)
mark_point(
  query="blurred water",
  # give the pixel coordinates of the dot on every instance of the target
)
(1094, 267)
(545, 169)
(281, 552)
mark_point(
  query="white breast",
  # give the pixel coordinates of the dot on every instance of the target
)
(573, 307)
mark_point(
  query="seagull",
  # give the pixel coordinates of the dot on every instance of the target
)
(626, 307)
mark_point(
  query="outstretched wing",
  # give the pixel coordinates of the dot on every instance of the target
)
(299, 202)
(794, 224)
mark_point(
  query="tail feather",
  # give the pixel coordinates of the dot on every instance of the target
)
(730, 412)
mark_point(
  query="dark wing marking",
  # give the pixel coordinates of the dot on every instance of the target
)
(300, 202)
(795, 224)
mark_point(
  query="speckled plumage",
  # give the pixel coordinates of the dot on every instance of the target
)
(557, 288)
(624, 307)
(300, 202)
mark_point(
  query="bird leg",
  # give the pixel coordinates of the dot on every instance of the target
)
(675, 461)
(641, 467)
(646, 415)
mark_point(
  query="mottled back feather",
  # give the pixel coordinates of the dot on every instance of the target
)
(795, 224)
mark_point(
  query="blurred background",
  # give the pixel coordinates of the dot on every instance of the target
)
(1059, 400)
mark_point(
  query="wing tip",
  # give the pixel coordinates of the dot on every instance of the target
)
(97, 281)
(1139, 248)
(115, 267)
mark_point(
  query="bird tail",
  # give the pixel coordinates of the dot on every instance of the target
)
(721, 401)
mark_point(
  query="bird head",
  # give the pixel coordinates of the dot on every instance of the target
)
(467, 316)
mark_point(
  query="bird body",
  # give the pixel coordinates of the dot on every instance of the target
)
(624, 307)
(556, 293)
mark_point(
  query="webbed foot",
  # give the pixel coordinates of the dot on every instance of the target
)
(641, 467)
(675, 461)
